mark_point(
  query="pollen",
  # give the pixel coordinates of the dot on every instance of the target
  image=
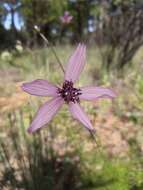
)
(69, 93)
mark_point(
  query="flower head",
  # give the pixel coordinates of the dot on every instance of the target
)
(67, 93)
(66, 18)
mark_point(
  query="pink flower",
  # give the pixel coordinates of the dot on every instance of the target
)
(66, 18)
(66, 93)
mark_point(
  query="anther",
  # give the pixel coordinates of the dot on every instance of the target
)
(69, 93)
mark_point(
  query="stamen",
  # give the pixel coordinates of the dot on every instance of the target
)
(69, 93)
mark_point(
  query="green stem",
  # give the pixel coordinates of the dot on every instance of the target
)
(51, 46)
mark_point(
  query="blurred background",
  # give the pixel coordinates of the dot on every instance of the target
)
(62, 155)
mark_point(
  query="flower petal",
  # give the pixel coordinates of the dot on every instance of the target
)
(79, 114)
(93, 93)
(40, 87)
(69, 18)
(45, 113)
(76, 63)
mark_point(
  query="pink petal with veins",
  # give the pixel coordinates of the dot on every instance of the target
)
(76, 63)
(79, 114)
(93, 93)
(40, 87)
(45, 114)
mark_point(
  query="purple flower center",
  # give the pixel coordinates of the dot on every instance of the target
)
(69, 93)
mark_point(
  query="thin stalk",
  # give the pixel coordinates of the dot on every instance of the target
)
(51, 46)
(98, 144)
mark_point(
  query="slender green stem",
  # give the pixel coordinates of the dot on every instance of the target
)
(98, 144)
(51, 46)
